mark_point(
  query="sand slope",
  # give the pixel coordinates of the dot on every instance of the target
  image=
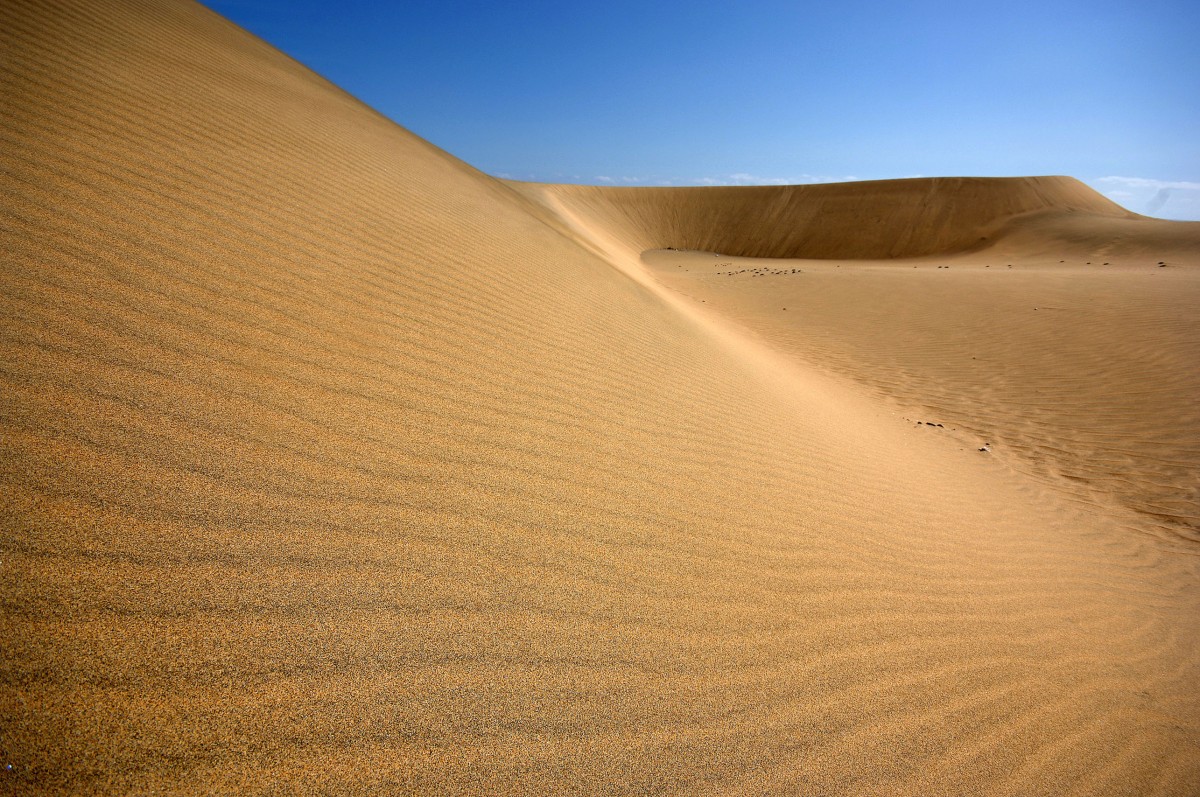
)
(1082, 377)
(330, 464)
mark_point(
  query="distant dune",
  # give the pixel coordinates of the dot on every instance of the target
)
(330, 464)
(864, 220)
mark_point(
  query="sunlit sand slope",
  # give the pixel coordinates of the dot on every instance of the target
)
(1082, 376)
(329, 464)
(874, 219)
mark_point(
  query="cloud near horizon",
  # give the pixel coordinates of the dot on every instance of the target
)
(1145, 182)
(1172, 199)
(744, 178)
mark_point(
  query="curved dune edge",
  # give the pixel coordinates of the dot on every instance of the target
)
(870, 220)
(867, 220)
(330, 464)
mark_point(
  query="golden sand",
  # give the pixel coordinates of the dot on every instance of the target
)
(332, 465)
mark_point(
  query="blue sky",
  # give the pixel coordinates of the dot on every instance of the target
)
(694, 93)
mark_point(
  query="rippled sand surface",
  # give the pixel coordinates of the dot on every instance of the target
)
(329, 464)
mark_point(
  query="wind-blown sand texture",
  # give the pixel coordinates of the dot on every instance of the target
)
(332, 465)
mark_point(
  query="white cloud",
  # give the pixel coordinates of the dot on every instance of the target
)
(1145, 182)
(1168, 199)
(604, 178)
(745, 178)
(812, 178)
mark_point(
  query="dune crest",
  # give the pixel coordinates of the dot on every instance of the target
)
(330, 464)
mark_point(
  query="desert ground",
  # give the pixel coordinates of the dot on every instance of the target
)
(331, 464)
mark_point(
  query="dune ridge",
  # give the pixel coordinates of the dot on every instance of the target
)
(333, 465)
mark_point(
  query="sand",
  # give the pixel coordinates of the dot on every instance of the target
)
(332, 465)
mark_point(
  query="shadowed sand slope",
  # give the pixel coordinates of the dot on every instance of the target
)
(332, 465)
(874, 219)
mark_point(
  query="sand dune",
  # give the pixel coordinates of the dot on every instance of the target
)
(1083, 363)
(874, 219)
(333, 465)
